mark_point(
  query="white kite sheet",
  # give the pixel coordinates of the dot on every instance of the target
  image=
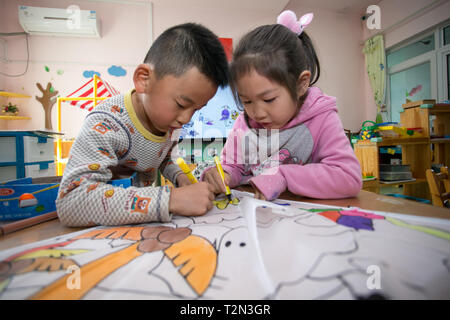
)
(249, 249)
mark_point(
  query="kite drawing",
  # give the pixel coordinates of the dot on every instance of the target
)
(246, 249)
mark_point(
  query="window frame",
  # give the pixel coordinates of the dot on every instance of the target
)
(423, 58)
(442, 53)
(436, 58)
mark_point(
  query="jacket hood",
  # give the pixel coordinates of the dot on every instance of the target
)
(315, 103)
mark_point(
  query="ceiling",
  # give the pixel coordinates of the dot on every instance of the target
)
(272, 6)
(339, 6)
(269, 6)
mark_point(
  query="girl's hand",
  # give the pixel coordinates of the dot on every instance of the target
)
(183, 180)
(258, 194)
(213, 178)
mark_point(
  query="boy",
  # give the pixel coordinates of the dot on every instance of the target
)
(132, 132)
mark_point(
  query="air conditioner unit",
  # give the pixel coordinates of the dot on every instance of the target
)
(70, 22)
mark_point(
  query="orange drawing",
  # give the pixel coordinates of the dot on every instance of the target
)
(196, 257)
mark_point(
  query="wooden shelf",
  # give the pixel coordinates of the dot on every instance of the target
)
(13, 95)
(440, 140)
(440, 108)
(417, 152)
(396, 141)
(403, 141)
(14, 118)
(394, 183)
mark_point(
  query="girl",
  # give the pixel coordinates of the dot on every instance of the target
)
(272, 73)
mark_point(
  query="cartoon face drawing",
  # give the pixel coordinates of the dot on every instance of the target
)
(286, 158)
(271, 165)
(109, 193)
(116, 109)
(71, 186)
(140, 204)
(101, 128)
(130, 128)
(92, 187)
(105, 152)
(131, 162)
(94, 166)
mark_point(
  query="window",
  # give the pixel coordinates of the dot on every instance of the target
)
(413, 50)
(448, 77)
(412, 83)
(446, 32)
(418, 70)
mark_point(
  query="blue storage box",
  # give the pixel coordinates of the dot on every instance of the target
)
(29, 197)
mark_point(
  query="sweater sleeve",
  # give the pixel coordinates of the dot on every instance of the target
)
(85, 198)
(333, 171)
(169, 169)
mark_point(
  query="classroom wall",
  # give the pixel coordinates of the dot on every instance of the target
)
(63, 60)
(394, 11)
(126, 37)
(336, 38)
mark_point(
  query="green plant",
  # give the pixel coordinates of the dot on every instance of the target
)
(10, 108)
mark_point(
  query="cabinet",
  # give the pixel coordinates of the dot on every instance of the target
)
(25, 154)
(432, 147)
(435, 121)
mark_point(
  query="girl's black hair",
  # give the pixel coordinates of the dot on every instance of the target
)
(277, 53)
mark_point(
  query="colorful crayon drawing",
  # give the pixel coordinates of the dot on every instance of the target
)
(414, 90)
(225, 115)
(215, 119)
(250, 250)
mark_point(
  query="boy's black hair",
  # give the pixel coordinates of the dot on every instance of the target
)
(188, 45)
(277, 53)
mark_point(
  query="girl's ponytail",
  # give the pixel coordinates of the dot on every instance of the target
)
(311, 57)
(279, 52)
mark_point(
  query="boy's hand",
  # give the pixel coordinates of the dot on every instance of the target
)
(213, 178)
(183, 180)
(192, 200)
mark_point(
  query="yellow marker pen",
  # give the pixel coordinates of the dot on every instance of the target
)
(185, 168)
(222, 176)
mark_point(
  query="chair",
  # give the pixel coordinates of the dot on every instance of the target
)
(439, 184)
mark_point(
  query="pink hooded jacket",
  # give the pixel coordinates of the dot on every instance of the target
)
(312, 157)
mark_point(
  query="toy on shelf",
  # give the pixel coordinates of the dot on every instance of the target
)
(415, 132)
(85, 97)
(378, 131)
(368, 131)
(394, 130)
(10, 110)
(391, 130)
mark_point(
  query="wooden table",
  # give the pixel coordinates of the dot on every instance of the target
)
(365, 200)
